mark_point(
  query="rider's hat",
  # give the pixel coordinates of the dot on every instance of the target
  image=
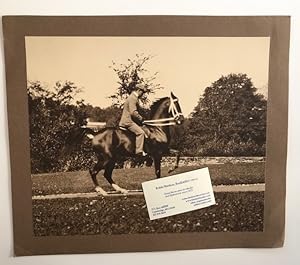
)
(140, 87)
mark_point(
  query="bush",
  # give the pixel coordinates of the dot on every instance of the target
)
(232, 148)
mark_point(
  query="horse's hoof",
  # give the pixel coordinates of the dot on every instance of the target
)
(119, 189)
(123, 191)
(101, 191)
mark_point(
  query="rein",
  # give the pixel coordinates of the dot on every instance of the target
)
(166, 121)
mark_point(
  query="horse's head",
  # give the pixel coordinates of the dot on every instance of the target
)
(166, 109)
(175, 109)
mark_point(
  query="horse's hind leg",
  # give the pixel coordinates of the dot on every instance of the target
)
(93, 172)
(157, 162)
(108, 175)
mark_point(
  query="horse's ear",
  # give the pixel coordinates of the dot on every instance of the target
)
(172, 95)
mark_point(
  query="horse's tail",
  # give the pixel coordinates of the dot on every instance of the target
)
(76, 137)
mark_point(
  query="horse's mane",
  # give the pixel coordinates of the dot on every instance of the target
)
(155, 105)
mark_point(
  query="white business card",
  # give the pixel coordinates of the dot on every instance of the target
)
(178, 193)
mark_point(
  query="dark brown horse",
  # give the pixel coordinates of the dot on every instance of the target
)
(111, 144)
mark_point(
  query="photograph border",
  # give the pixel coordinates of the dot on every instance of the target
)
(15, 28)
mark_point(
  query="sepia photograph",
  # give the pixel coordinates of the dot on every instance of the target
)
(109, 113)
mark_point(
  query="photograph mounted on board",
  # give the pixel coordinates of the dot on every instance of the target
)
(108, 113)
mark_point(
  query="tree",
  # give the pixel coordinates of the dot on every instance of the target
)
(111, 115)
(230, 113)
(52, 114)
(132, 74)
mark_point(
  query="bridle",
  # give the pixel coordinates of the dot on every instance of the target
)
(167, 121)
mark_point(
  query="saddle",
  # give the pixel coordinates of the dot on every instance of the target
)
(145, 129)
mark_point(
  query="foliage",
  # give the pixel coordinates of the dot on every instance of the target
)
(132, 74)
(229, 119)
(111, 115)
(51, 117)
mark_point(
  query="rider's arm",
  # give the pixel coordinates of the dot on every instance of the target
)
(133, 111)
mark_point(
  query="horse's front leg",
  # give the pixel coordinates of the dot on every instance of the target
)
(157, 162)
(177, 154)
(108, 175)
(93, 172)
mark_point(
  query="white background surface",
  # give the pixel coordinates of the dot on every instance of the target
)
(289, 254)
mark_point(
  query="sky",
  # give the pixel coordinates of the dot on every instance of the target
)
(185, 65)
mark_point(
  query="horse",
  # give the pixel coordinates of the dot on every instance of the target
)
(113, 143)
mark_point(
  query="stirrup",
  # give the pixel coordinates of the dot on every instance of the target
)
(142, 154)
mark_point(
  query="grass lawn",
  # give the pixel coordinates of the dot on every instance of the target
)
(80, 181)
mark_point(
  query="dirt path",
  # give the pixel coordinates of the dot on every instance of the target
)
(220, 188)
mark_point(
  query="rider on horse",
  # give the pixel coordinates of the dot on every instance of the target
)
(110, 142)
(132, 120)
